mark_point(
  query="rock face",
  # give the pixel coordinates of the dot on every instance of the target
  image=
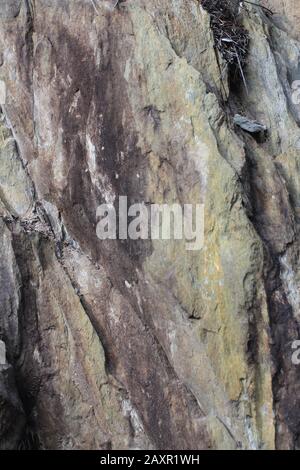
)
(142, 344)
(286, 14)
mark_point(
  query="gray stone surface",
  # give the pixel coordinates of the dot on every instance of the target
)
(248, 125)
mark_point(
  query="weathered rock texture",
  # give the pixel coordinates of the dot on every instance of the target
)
(144, 344)
(286, 14)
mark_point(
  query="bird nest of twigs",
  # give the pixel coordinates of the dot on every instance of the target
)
(231, 39)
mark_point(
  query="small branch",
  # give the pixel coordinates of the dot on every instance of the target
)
(242, 72)
(95, 8)
(261, 6)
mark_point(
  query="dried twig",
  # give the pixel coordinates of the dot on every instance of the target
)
(261, 6)
(95, 8)
(242, 72)
(231, 39)
(108, 4)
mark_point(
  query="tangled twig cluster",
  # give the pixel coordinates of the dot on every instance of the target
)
(231, 39)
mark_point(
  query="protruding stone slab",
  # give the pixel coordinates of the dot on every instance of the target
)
(254, 127)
